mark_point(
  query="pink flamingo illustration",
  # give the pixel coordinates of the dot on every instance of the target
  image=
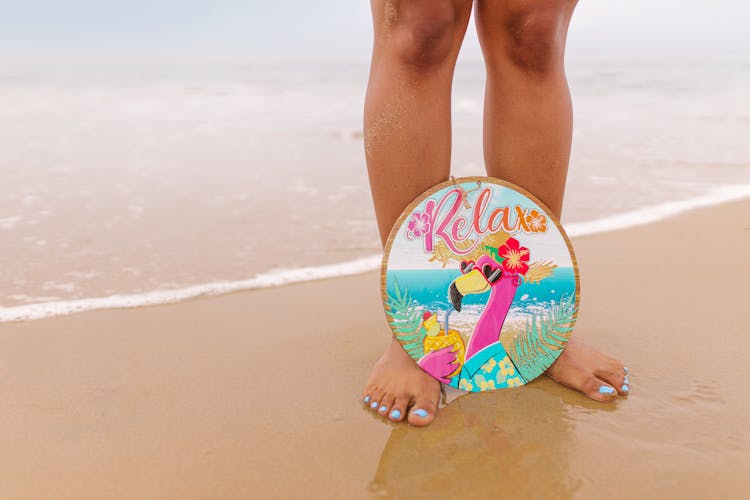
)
(486, 274)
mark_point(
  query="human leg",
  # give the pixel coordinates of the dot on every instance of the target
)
(407, 132)
(528, 123)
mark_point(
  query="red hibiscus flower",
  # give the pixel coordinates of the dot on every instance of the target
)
(515, 257)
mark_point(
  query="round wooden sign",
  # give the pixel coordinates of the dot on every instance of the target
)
(480, 284)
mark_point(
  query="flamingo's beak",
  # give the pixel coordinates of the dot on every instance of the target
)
(455, 296)
(471, 282)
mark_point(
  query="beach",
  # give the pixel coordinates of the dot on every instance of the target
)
(256, 394)
(193, 273)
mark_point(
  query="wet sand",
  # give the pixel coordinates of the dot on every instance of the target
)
(256, 394)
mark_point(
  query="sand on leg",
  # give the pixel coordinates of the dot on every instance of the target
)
(407, 136)
(528, 122)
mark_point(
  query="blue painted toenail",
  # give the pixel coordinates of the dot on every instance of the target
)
(625, 368)
(626, 380)
(420, 413)
(383, 409)
(395, 414)
(625, 388)
(367, 399)
(374, 404)
(606, 390)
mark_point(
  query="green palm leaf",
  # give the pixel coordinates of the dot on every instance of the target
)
(544, 337)
(405, 318)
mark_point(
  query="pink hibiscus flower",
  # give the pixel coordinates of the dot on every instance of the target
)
(418, 225)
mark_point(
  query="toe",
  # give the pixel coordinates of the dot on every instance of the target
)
(386, 403)
(375, 397)
(624, 388)
(576, 377)
(366, 397)
(599, 390)
(614, 376)
(423, 412)
(398, 410)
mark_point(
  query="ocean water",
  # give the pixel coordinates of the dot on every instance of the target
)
(127, 185)
(429, 289)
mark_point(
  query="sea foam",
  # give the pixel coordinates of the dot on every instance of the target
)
(280, 277)
(653, 213)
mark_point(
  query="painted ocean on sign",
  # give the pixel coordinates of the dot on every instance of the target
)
(480, 285)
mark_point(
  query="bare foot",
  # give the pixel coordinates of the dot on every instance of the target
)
(583, 368)
(397, 385)
(398, 388)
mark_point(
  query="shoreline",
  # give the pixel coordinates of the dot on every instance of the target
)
(281, 277)
(256, 393)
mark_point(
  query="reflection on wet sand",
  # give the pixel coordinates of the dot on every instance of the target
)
(499, 442)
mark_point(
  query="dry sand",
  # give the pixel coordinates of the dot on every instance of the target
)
(256, 394)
